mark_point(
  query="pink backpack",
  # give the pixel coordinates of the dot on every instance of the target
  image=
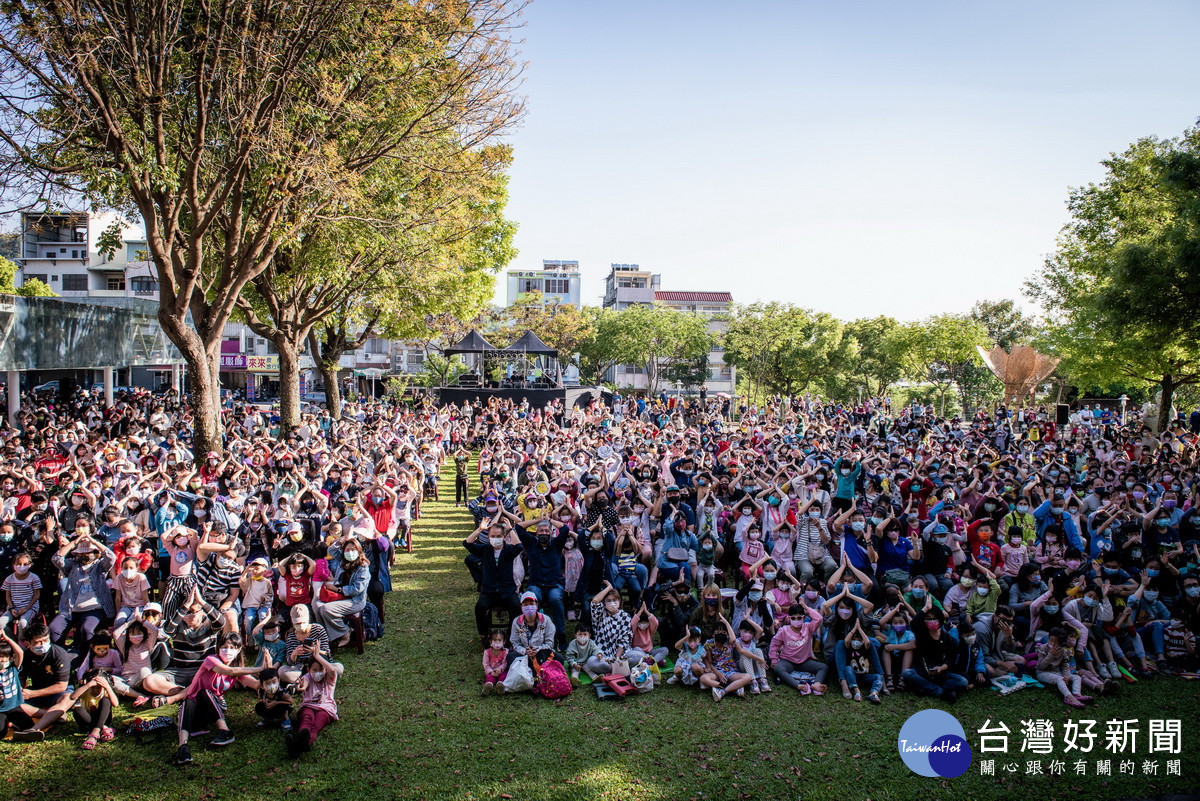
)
(552, 681)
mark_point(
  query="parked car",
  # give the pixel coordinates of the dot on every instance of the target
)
(50, 387)
(314, 397)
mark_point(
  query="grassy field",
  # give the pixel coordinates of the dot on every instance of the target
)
(415, 727)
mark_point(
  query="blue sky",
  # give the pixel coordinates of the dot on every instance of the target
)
(861, 158)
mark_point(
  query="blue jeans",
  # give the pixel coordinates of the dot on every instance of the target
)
(846, 672)
(927, 685)
(550, 597)
(635, 583)
(253, 616)
(1155, 631)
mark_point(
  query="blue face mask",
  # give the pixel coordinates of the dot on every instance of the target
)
(754, 595)
(1051, 609)
(1150, 595)
(917, 592)
(1192, 592)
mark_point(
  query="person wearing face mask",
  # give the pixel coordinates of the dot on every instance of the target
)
(45, 669)
(612, 627)
(318, 705)
(812, 542)
(1052, 515)
(135, 642)
(495, 555)
(87, 602)
(1150, 617)
(132, 590)
(219, 565)
(350, 576)
(22, 591)
(857, 662)
(934, 657)
(750, 603)
(203, 702)
(791, 651)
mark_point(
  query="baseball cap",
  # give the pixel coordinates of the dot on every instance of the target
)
(528, 596)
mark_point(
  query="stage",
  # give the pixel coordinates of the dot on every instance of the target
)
(538, 398)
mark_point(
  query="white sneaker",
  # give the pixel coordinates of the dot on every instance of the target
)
(764, 684)
(673, 680)
(718, 693)
(1102, 672)
(753, 688)
(741, 692)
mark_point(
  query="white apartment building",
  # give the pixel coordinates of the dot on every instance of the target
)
(558, 281)
(629, 285)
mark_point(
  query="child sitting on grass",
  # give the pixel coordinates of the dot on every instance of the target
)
(720, 669)
(583, 654)
(495, 664)
(689, 666)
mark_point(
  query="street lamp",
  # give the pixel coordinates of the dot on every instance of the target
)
(1124, 399)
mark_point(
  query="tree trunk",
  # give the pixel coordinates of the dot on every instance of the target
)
(328, 356)
(333, 388)
(289, 384)
(1165, 399)
(204, 367)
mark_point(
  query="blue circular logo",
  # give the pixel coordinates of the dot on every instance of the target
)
(932, 743)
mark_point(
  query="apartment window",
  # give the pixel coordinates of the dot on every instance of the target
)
(631, 283)
(36, 277)
(62, 250)
(558, 286)
(143, 285)
(79, 235)
(376, 346)
(629, 369)
(115, 283)
(75, 283)
(531, 285)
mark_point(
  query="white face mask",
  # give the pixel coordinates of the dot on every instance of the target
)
(130, 573)
(496, 541)
(351, 556)
(271, 637)
(317, 675)
(271, 688)
(228, 655)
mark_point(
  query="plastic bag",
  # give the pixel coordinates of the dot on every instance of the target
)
(520, 676)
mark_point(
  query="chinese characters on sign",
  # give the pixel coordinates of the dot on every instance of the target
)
(1123, 737)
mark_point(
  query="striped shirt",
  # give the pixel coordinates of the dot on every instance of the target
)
(23, 590)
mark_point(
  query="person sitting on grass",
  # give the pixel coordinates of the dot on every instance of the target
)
(318, 706)
(720, 669)
(584, 655)
(495, 664)
(689, 665)
(203, 702)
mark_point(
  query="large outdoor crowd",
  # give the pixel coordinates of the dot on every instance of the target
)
(134, 573)
(733, 548)
(857, 550)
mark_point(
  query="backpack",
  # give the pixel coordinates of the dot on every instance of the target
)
(152, 728)
(372, 625)
(552, 681)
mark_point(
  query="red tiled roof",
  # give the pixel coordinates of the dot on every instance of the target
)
(695, 297)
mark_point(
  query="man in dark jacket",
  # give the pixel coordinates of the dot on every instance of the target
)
(496, 557)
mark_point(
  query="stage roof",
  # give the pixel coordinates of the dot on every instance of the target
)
(471, 343)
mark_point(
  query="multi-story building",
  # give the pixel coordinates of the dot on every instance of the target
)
(629, 285)
(558, 281)
(62, 249)
(712, 306)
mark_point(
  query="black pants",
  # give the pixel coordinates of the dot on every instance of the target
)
(488, 600)
(96, 719)
(274, 714)
(460, 489)
(19, 720)
(200, 712)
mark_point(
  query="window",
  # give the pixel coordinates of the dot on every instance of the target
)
(143, 285)
(376, 346)
(531, 285)
(558, 286)
(62, 250)
(629, 369)
(115, 283)
(36, 277)
(631, 283)
(75, 254)
(74, 283)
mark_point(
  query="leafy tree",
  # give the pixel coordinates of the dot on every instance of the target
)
(941, 350)
(784, 348)
(1122, 287)
(604, 346)
(880, 362)
(562, 326)
(655, 337)
(29, 289)
(1006, 324)
(228, 127)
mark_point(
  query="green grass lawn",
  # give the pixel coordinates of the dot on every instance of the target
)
(414, 726)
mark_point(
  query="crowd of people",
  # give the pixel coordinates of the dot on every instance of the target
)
(853, 550)
(857, 550)
(135, 573)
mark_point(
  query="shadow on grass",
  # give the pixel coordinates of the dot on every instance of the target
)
(415, 727)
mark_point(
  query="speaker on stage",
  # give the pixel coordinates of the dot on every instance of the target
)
(1063, 414)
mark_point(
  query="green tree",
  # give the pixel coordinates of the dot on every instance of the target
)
(29, 289)
(651, 336)
(562, 326)
(604, 346)
(1006, 324)
(1122, 287)
(941, 350)
(228, 127)
(785, 348)
(880, 362)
